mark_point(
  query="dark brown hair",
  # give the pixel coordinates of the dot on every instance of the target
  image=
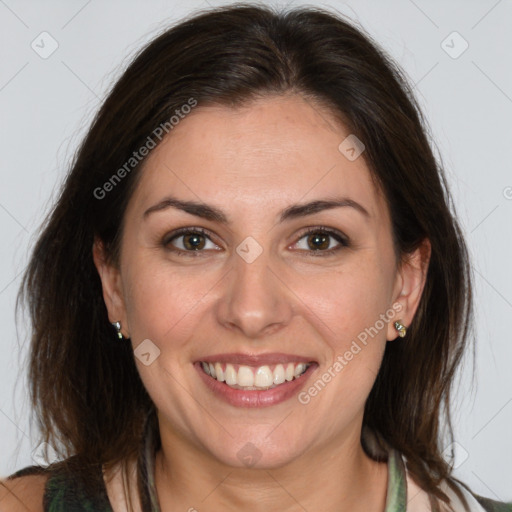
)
(89, 400)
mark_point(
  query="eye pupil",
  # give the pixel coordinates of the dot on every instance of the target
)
(320, 241)
(193, 241)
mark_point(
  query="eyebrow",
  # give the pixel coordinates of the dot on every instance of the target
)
(214, 214)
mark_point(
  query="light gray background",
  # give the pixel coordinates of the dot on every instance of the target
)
(46, 106)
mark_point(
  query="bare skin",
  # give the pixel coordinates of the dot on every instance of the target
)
(23, 494)
(252, 163)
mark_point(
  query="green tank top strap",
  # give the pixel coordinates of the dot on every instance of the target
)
(65, 493)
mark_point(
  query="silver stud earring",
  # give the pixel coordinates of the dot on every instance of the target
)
(117, 327)
(400, 327)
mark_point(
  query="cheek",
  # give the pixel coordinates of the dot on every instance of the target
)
(161, 301)
(350, 307)
(348, 301)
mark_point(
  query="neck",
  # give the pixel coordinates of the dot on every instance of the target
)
(334, 477)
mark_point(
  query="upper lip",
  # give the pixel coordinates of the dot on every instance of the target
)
(255, 359)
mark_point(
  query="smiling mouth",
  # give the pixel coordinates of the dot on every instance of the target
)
(253, 378)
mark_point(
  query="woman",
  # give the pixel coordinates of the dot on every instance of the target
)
(251, 293)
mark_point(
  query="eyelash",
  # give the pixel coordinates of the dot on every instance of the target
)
(339, 237)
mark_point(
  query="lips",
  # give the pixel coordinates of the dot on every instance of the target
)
(255, 380)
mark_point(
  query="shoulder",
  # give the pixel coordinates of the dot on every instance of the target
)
(60, 486)
(493, 506)
(419, 501)
(475, 502)
(23, 493)
(486, 504)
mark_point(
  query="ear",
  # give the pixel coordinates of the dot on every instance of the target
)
(409, 285)
(112, 286)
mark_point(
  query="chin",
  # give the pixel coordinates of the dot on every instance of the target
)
(257, 454)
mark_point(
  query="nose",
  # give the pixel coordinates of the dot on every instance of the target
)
(255, 300)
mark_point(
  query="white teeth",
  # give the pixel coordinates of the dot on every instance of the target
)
(264, 377)
(245, 376)
(279, 377)
(299, 369)
(230, 375)
(254, 378)
(219, 373)
(289, 371)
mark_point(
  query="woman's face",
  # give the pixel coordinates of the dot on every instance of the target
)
(244, 285)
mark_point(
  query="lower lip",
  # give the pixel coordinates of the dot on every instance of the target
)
(263, 398)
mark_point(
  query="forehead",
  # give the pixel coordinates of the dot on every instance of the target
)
(269, 153)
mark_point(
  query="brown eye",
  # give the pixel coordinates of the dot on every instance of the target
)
(193, 241)
(321, 241)
(318, 241)
(188, 240)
